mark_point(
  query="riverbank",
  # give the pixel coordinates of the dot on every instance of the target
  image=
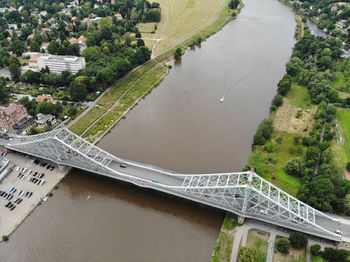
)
(10, 220)
(121, 98)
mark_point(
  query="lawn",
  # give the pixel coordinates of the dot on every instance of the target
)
(179, 20)
(343, 117)
(299, 96)
(137, 90)
(295, 255)
(258, 239)
(342, 81)
(269, 160)
(316, 259)
(80, 126)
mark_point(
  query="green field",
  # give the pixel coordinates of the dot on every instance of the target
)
(258, 239)
(179, 20)
(299, 96)
(316, 259)
(343, 151)
(342, 81)
(270, 165)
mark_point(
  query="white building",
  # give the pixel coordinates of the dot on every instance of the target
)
(59, 63)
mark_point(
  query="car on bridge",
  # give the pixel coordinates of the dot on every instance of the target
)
(155, 180)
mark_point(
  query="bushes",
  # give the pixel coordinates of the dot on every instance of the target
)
(294, 167)
(248, 254)
(283, 245)
(5, 238)
(264, 132)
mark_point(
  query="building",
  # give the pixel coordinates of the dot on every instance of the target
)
(59, 63)
(23, 126)
(118, 16)
(48, 98)
(33, 61)
(11, 115)
(44, 120)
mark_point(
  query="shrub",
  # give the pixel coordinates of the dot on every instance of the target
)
(294, 167)
(273, 108)
(277, 100)
(259, 139)
(283, 245)
(269, 147)
(248, 254)
(5, 238)
(177, 53)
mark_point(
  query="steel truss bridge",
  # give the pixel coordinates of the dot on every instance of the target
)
(243, 193)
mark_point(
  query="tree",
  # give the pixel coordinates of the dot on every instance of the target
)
(92, 53)
(294, 167)
(315, 250)
(277, 100)
(17, 47)
(283, 245)
(4, 96)
(298, 240)
(233, 4)
(53, 47)
(15, 68)
(293, 66)
(76, 92)
(46, 108)
(347, 204)
(72, 110)
(140, 42)
(248, 254)
(335, 255)
(284, 87)
(177, 53)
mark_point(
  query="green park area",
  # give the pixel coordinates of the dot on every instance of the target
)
(259, 240)
(342, 148)
(294, 255)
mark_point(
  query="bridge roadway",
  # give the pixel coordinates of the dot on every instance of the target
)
(178, 184)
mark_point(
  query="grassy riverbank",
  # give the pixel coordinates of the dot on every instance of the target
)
(179, 20)
(127, 92)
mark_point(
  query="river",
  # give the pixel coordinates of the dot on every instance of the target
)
(181, 126)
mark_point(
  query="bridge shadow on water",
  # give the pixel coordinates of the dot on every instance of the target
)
(82, 184)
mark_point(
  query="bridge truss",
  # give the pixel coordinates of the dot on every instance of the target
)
(243, 193)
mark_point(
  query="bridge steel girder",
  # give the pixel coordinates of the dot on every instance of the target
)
(243, 193)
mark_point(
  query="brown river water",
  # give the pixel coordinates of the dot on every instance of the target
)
(181, 126)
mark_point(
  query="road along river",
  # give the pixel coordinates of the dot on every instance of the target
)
(181, 126)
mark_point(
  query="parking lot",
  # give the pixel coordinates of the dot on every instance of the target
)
(23, 188)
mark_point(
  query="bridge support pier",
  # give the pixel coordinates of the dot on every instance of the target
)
(64, 169)
(240, 220)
